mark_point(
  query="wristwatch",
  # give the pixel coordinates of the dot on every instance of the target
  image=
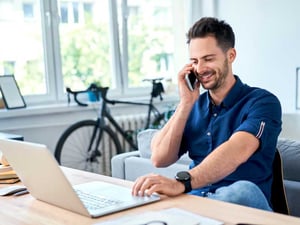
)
(185, 178)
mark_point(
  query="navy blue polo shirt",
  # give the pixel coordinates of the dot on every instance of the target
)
(245, 108)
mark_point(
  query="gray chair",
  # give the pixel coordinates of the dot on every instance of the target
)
(278, 196)
(290, 155)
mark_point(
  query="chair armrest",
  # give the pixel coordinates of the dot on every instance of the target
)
(290, 155)
(139, 166)
(184, 159)
(118, 163)
(292, 189)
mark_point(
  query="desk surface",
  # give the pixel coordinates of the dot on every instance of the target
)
(27, 210)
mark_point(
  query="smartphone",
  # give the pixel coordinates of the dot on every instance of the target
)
(191, 80)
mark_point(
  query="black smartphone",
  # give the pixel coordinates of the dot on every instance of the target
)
(191, 80)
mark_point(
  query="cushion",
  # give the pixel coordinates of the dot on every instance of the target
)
(145, 167)
(144, 140)
(292, 189)
(290, 154)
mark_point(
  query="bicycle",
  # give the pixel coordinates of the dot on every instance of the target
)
(80, 145)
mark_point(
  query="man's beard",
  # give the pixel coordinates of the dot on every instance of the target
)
(223, 73)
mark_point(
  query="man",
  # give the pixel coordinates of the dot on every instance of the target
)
(230, 130)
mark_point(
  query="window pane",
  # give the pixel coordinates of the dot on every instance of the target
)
(28, 10)
(75, 12)
(21, 45)
(64, 12)
(150, 40)
(84, 41)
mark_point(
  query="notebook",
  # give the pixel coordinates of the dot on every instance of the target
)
(44, 179)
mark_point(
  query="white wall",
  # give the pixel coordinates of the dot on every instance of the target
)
(43, 125)
(290, 126)
(267, 43)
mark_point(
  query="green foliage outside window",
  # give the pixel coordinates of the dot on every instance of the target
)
(85, 55)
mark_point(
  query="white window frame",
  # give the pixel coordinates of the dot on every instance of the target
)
(53, 66)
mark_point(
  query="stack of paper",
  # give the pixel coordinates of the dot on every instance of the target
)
(7, 175)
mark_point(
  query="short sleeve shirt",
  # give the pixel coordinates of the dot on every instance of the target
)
(250, 109)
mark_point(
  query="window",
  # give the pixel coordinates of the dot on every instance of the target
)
(8, 67)
(64, 14)
(85, 48)
(150, 47)
(76, 42)
(87, 8)
(75, 12)
(28, 10)
(22, 52)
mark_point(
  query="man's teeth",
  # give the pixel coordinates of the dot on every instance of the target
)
(206, 74)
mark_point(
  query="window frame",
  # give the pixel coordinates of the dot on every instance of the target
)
(50, 21)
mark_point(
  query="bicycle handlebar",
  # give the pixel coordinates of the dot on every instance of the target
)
(153, 80)
(75, 93)
(102, 90)
(157, 89)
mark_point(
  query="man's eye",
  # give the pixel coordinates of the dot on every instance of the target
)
(208, 59)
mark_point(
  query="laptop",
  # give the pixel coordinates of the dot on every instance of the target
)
(40, 173)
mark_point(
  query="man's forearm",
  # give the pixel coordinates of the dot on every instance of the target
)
(165, 144)
(225, 159)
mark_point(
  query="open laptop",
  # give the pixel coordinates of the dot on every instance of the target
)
(44, 179)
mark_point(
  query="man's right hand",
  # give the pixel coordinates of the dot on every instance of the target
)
(187, 97)
(154, 183)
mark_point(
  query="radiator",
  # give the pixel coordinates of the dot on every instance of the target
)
(134, 123)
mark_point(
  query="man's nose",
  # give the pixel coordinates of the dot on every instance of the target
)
(199, 67)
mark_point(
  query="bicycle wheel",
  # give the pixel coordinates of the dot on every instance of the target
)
(72, 147)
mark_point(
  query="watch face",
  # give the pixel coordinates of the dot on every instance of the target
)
(183, 175)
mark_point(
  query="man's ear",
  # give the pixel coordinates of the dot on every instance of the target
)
(231, 54)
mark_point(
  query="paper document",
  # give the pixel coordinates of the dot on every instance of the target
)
(171, 216)
(4, 168)
(6, 172)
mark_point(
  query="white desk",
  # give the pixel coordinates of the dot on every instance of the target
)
(27, 210)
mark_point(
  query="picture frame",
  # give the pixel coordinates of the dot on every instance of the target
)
(10, 91)
(297, 88)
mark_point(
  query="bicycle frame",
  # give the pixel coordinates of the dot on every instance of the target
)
(86, 139)
(104, 113)
(151, 109)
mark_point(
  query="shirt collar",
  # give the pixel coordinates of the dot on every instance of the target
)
(234, 93)
(230, 99)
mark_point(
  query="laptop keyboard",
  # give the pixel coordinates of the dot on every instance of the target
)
(93, 202)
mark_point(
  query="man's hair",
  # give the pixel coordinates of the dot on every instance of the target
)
(209, 26)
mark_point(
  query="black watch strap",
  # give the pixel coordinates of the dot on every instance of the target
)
(185, 178)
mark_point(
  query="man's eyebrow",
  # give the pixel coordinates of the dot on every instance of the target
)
(205, 56)
(210, 55)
